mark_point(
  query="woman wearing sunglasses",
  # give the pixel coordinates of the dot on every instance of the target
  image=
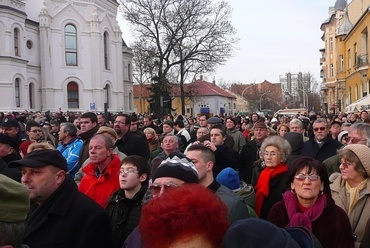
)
(351, 190)
(309, 204)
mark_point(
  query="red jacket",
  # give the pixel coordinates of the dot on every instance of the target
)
(102, 187)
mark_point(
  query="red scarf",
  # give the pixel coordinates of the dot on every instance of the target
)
(263, 185)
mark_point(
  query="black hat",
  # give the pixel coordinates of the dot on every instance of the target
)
(168, 122)
(5, 139)
(177, 166)
(214, 120)
(41, 158)
(10, 123)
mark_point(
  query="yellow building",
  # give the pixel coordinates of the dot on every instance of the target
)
(344, 59)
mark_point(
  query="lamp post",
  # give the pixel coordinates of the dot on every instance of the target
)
(245, 90)
(261, 99)
(304, 92)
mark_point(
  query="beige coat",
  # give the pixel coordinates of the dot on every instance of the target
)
(341, 198)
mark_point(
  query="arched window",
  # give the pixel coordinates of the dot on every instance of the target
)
(106, 51)
(17, 93)
(31, 91)
(16, 42)
(70, 33)
(72, 95)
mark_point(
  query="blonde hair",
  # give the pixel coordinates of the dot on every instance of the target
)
(40, 146)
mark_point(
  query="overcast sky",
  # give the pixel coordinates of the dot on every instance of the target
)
(276, 37)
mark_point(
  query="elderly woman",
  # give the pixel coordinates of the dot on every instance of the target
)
(271, 179)
(283, 129)
(351, 190)
(309, 204)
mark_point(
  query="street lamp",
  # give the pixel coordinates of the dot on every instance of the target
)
(261, 99)
(304, 92)
(245, 90)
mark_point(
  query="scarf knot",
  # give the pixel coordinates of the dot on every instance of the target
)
(305, 218)
(263, 184)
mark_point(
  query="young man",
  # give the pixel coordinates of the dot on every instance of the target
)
(89, 126)
(124, 206)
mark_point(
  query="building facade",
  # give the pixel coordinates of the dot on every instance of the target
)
(63, 55)
(201, 97)
(344, 61)
(295, 88)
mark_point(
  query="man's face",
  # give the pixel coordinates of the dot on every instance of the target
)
(120, 125)
(101, 119)
(364, 115)
(254, 118)
(201, 132)
(355, 137)
(54, 128)
(203, 121)
(42, 182)
(87, 124)
(10, 131)
(169, 144)
(352, 118)
(295, 128)
(202, 167)
(260, 134)
(147, 122)
(133, 126)
(161, 184)
(320, 131)
(98, 151)
(129, 178)
(167, 128)
(230, 124)
(61, 134)
(335, 128)
(5, 150)
(35, 133)
(216, 137)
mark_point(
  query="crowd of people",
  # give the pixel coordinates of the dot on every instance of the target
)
(132, 180)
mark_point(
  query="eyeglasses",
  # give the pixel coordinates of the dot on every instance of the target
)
(272, 154)
(36, 131)
(120, 122)
(319, 128)
(126, 172)
(155, 188)
(354, 140)
(346, 164)
(312, 177)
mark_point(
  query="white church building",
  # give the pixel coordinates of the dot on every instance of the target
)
(63, 54)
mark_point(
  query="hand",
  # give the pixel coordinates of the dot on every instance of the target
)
(210, 145)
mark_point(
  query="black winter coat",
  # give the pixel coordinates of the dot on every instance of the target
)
(68, 219)
(132, 144)
(328, 149)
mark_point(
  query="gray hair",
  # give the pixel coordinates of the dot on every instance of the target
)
(280, 143)
(174, 137)
(107, 141)
(363, 129)
(297, 122)
(70, 128)
(321, 120)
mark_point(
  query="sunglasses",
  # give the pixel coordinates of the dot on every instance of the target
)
(312, 177)
(319, 128)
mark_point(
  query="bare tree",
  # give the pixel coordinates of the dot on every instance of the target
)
(193, 36)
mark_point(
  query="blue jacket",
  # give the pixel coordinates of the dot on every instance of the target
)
(71, 152)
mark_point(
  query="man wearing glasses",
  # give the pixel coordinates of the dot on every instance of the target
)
(124, 206)
(321, 145)
(128, 142)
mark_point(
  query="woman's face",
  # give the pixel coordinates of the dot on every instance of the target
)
(307, 190)
(348, 172)
(272, 156)
(283, 130)
(149, 135)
